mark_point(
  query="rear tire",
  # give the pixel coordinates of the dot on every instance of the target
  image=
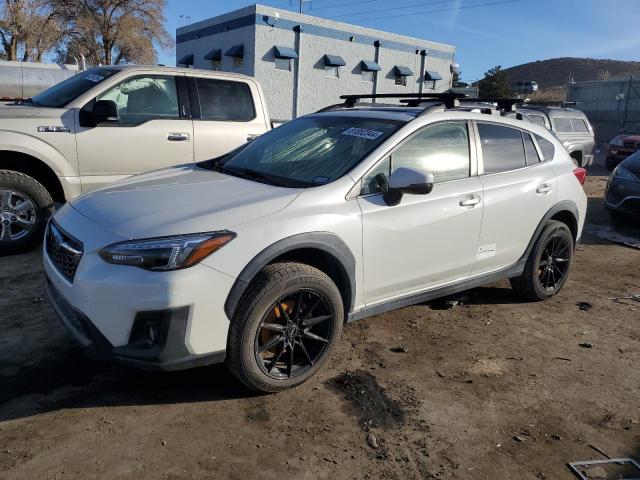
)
(548, 264)
(25, 207)
(285, 327)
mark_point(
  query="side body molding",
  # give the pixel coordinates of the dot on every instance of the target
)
(327, 242)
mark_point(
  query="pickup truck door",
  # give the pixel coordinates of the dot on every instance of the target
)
(153, 130)
(226, 114)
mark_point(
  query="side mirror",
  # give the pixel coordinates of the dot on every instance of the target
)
(407, 180)
(104, 111)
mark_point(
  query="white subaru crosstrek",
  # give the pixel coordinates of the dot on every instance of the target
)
(257, 258)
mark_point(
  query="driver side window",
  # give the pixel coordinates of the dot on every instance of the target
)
(441, 149)
(143, 98)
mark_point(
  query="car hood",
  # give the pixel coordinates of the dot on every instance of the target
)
(180, 200)
(15, 110)
(632, 163)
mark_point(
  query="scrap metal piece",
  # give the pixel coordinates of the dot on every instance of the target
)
(578, 468)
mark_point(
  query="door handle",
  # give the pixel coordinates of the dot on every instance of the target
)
(470, 202)
(177, 137)
(543, 189)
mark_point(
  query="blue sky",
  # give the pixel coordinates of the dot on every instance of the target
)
(506, 33)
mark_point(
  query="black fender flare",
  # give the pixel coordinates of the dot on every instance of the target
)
(564, 205)
(327, 242)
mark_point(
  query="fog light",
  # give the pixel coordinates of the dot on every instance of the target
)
(152, 333)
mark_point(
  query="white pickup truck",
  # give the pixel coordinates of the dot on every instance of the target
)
(107, 123)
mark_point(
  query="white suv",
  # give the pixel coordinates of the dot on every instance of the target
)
(257, 258)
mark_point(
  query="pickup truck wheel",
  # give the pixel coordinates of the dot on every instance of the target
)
(548, 264)
(25, 206)
(285, 327)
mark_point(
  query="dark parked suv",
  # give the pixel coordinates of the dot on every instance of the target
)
(571, 126)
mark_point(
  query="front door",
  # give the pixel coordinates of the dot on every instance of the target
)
(150, 133)
(426, 240)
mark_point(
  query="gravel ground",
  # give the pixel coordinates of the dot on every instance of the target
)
(492, 388)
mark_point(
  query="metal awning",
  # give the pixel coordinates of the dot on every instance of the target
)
(431, 75)
(284, 52)
(237, 51)
(186, 60)
(402, 71)
(215, 54)
(334, 61)
(370, 66)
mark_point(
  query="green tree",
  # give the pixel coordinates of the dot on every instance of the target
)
(495, 84)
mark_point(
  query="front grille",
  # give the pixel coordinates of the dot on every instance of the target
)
(64, 251)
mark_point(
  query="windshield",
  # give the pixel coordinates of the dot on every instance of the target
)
(309, 151)
(64, 92)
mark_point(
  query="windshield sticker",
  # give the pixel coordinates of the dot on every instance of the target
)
(321, 180)
(362, 133)
(94, 78)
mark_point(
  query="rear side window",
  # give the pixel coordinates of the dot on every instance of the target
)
(502, 148)
(546, 148)
(562, 125)
(225, 101)
(530, 149)
(579, 125)
(537, 119)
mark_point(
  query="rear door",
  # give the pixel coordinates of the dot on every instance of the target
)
(227, 113)
(519, 189)
(152, 131)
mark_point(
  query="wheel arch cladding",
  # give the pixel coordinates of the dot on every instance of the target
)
(322, 250)
(566, 212)
(36, 169)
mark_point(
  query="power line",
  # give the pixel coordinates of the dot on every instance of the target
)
(394, 8)
(437, 11)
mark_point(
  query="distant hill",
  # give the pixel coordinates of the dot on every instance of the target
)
(555, 71)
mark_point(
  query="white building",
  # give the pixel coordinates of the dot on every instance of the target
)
(305, 63)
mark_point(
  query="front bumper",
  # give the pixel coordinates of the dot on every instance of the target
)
(103, 305)
(168, 353)
(623, 195)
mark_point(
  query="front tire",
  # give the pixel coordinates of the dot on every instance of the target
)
(547, 267)
(25, 206)
(285, 327)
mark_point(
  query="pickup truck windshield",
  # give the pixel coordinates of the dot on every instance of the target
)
(64, 92)
(309, 151)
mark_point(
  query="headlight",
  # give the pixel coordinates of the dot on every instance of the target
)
(621, 172)
(166, 253)
(616, 142)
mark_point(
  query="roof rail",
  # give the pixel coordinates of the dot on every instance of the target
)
(561, 104)
(413, 99)
(506, 104)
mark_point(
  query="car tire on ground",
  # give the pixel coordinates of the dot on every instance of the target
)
(285, 327)
(25, 206)
(548, 264)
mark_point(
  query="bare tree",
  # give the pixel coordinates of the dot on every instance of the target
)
(29, 28)
(116, 31)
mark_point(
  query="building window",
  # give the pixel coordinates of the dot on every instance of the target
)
(367, 76)
(430, 84)
(401, 80)
(283, 64)
(238, 62)
(216, 64)
(331, 71)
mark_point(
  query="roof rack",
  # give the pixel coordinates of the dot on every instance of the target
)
(413, 99)
(551, 104)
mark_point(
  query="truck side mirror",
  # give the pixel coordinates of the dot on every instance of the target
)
(104, 111)
(407, 180)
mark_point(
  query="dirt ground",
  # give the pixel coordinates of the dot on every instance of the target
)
(491, 389)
